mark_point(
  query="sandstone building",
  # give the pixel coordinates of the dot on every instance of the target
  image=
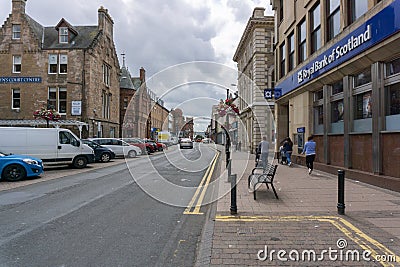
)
(75, 69)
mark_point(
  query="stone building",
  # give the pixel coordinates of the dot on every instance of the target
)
(339, 69)
(255, 62)
(75, 69)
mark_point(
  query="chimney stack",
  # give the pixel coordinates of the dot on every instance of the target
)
(105, 21)
(142, 75)
(258, 12)
(18, 6)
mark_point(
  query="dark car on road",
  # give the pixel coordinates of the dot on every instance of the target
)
(101, 153)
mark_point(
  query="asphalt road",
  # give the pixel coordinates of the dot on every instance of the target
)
(124, 215)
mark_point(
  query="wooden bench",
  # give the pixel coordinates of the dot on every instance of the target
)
(265, 176)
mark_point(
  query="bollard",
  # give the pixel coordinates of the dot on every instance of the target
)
(233, 194)
(340, 204)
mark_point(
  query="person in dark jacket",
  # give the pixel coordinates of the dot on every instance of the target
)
(288, 149)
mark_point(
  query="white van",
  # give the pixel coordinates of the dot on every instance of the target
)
(54, 146)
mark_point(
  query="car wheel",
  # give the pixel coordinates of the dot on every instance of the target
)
(132, 154)
(80, 162)
(105, 157)
(148, 150)
(13, 173)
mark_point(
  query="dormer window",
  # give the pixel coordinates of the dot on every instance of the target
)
(63, 35)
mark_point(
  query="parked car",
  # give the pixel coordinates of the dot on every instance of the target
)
(120, 147)
(152, 143)
(101, 153)
(186, 142)
(137, 142)
(54, 146)
(17, 167)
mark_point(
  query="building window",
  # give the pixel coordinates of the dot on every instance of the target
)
(16, 99)
(282, 53)
(63, 64)
(57, 99)
(356, 9)
(337, 88)
(63, 35)
(106, 74)
(280, 10)
(337, 111)
(393, 67)
(333, 18)
(17, 64)
(106, 105)
(319, 115)
(125, 103)
(53, 62)
(16, 31)
(393, 102)
(291, 52)
(315, 16)
(362, 78)
(363, 107)
(302, 43)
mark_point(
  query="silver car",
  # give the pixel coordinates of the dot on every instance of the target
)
(186, 143)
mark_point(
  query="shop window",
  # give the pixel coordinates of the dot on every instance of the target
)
(362, 78)
(393, 107)
(337, 111)
(302, 41)
(17, 64)
(333, 18)
(393, 67)
(363, 109)
(315, 16)
(318, 95)
(319, 119)
(16, 98)
(16, 31)
(337, 88)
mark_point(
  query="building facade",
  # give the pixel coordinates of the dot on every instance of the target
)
(339, 69)
(255, 62)
(73, 69)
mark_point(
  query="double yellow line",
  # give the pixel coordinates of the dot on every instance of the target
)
(352, 232)
(201, 188)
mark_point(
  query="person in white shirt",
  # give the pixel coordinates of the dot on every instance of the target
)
(264, 145)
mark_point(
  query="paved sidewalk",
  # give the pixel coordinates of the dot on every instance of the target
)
(304, 220)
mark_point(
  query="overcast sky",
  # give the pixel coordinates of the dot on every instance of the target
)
(159, 34)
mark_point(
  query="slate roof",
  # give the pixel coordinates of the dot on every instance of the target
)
(85, 38)
(125, 81)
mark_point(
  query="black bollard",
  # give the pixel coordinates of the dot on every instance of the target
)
(233, 194)
(340, 204)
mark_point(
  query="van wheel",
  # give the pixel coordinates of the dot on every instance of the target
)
(14, 172)
(80, 162)
(105, 157)
(132, 154)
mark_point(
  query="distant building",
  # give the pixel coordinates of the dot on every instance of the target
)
(339, 69)
(255, 62)
(72, 68)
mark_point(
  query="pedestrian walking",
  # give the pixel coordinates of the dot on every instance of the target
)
(264, 149)
(288, 149)
(309, 151)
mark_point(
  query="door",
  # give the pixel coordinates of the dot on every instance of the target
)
(68, 146)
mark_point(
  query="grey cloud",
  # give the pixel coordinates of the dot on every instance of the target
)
(241, 9)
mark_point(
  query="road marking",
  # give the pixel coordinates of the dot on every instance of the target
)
(203, 188)
(359, 237)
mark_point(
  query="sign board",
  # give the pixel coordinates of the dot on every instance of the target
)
(20, 79)
(272, 93)
(76, 108)
(301, 130)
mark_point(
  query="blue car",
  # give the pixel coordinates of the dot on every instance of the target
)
(17, 167)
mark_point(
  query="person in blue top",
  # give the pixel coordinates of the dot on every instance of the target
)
(309, 150)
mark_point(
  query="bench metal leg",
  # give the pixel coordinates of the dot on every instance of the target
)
(254, 192)
(273, 188)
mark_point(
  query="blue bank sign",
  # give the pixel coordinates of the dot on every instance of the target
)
(20, 79)
(373, 31)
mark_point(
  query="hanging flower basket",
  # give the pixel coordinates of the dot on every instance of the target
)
(226, 107)
(47, 114)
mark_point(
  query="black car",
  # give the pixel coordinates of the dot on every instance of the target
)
(101, 153)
